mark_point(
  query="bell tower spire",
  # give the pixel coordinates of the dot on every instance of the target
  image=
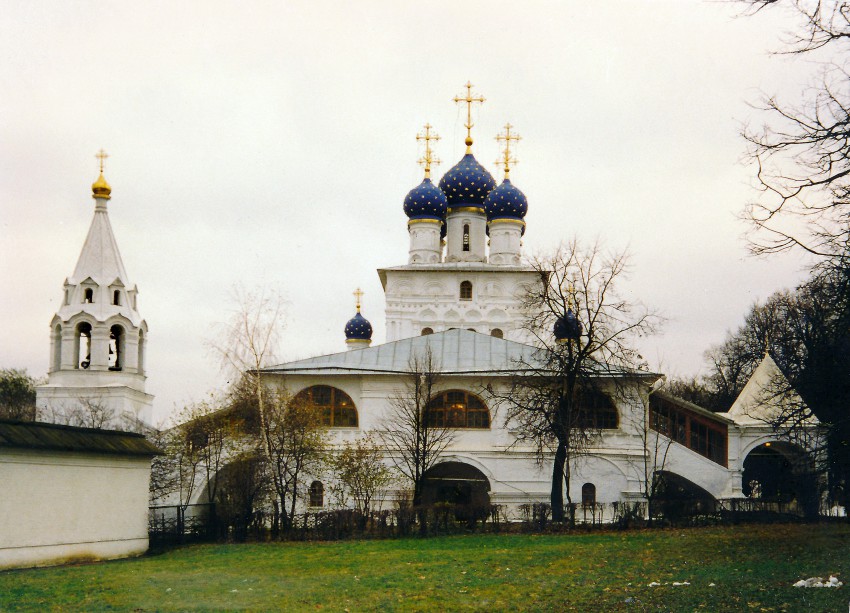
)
(98, 337)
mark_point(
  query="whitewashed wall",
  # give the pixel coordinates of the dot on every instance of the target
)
(59, 507)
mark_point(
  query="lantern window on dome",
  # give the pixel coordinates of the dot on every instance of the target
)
(466, 237)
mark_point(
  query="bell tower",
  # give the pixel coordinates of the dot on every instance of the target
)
(97, 337)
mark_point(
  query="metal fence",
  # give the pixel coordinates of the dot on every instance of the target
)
(193, 523)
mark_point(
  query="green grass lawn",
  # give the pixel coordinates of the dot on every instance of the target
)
(751, 567)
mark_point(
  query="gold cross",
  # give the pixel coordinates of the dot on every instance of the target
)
(428, 159)
(469, 99)
(506, 158)
(358, 294)
(101, 155)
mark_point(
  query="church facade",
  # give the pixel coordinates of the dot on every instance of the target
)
(459, 299)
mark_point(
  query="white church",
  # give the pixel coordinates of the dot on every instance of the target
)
(459, 295)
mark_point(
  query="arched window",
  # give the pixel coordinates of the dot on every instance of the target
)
(337, 408)
(88, 295)
(588, 494)
(427, 331)
(596, 411)
(466, 290)
(466, 237)
(458, 409)
(116, 297)
(317, 494)
(497, 333)
(83, 348)
(116, 347)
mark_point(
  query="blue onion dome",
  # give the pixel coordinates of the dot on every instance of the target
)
(358, 328)
(425, 201)
(567, 327)
(467, 183)
(506, 202)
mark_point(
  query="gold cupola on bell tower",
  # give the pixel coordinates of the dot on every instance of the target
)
(100, 188)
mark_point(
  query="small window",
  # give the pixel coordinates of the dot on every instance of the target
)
(466, 290)
(317, 494)
(497, 333)
(427, 331)
(88, 296)
(116, 297)
(466, 237)
(588, 494)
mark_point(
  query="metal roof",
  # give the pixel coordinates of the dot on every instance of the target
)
(54, 437)
(455, 352)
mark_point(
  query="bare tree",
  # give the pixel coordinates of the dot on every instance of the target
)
(411, 432)
(557, 399)
(246, 343)
(360, 473)
(289, 432)
(802, 155)
(296, 439)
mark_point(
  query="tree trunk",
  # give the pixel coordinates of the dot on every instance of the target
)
(557, 497)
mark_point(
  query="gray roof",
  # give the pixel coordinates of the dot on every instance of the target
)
(455, 352)
(36, 435)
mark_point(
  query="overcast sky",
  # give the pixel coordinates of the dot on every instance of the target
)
(272, 143)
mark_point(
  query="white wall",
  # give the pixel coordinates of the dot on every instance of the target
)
(61, 507)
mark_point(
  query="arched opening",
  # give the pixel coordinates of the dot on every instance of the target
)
(116, 297)
(88, 295)
(459, 484)
(458, 409)
(466, 290)
(116, 347)
(141, 348)
(82, 351)
(782, 476)
(466, 237)
(237, 490)
(337, 408)
(427, 331)
(678, 499)
(497, 332)
(588, 494)
(57, 347)
(317, 494)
